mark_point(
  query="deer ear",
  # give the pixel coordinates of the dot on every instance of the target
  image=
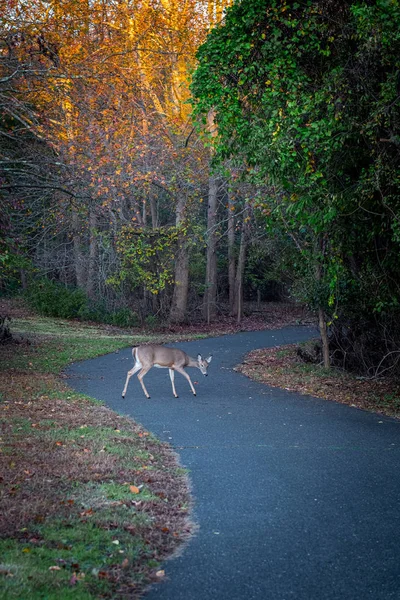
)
(199, 357)
(209, 359)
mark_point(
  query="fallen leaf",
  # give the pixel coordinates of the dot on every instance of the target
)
(160, 573)
(134, 489)
(102, 575)
(125, 563)
(73, 580)
(55, 568)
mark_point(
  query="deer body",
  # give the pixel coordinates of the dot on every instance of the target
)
(173, 359)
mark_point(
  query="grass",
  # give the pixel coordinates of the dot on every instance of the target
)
(90, 503)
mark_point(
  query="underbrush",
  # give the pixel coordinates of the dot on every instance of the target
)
(53, 299)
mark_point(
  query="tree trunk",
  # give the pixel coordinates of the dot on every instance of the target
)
(181, 287)
(321, 313)
(179, 300)
(231, 255)
(91, 278)
(238, 300)
(324, 337)
(24, 279)
(79, 261)
(210, 294)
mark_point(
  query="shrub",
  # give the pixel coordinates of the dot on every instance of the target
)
(125, 317)
(95, 311)
(151, 321)
(53, 299)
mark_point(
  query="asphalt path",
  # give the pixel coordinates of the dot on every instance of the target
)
(295, 497)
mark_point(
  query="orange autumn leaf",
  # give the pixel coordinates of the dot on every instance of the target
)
(134, 489)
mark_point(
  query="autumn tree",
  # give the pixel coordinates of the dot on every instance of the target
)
(106, 91)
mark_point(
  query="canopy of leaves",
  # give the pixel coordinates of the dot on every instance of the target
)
(307, 96)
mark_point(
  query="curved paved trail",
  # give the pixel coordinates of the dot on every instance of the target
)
(296, 498)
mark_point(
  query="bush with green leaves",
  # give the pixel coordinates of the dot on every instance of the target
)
(124, 317)
(53, 299)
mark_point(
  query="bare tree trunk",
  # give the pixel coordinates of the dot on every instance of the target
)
(238, 300)
(210, 294)
(24, 281)
(181, 287)
(231, 255)
(79, 262)
(321, 313)
(92, 265)
(179, 300)
(153, 210)
(324, 337)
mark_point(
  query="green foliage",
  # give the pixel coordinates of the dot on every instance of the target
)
(98, 312)
(53, 299)
(11, 263)
(94, 311)
(151, 321)
(147, 257)
(125, 317)
(306, 97)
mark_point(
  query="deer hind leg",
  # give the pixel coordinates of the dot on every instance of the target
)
(183, 372)
(130, 373)
(140, 377)
(172, 376)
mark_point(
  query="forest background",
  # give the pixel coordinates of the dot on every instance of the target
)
(172, 161)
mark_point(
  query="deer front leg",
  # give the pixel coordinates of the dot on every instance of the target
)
(140, 377)
(183, 372)
(130, 373)
(172, 376)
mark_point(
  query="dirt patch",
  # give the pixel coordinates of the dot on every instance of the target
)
(282, 367)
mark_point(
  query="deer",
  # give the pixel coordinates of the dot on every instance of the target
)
(146, 357)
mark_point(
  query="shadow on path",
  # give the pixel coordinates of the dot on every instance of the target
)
(295, 497)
